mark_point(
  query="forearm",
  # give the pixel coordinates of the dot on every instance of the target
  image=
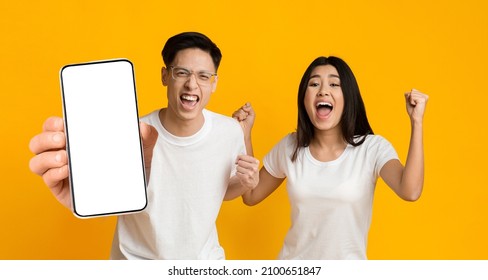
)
(267, 185)
(413, 175)
(250, 198)
(234, 189)
(258, 194)
(248, 142)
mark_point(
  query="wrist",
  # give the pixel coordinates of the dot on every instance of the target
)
(416, 127)
(416, 122)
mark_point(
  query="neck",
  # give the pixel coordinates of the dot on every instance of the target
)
(178, 126)
(327, 145)
(328, 139)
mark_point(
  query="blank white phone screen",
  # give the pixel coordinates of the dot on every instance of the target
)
(105, 153)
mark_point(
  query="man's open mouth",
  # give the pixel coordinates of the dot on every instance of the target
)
(189, 100)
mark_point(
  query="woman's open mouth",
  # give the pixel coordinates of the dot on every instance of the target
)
(324, 109)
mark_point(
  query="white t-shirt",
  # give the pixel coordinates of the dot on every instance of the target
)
(189, 178)
(331, 202)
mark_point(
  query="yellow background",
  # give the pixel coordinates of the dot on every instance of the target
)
(437, 47)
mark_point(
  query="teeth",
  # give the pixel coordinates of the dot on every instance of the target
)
(324, 104)
(190, 97)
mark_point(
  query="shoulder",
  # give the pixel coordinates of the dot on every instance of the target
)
(151, 117)
(222, 120)
(377, 145)
(372, 140)
(218, 117)
(290, 139)
(278, 159)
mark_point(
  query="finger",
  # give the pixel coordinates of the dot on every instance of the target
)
(248, 179)
(242, 170)
(409, 99)
(417, 93)
(41, 163)
(54, 177)
(240, 115)
(244, 179)
(247, 170)
(47, 141)
(419, 98)
(53, 124)
(243, 167)
(245, 174)
(247, 159)
(248, 109)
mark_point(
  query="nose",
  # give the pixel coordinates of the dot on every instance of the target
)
(191, 83)
(323, 92)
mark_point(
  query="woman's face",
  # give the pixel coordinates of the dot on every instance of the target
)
(324, 101)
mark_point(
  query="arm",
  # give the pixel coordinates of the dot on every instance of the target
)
(246, 177)
(262, 184)
(266, 186)
(407, 182)
(51, 160)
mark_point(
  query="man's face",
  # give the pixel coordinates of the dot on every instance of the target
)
(187, 97)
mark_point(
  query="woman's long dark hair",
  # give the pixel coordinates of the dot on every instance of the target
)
(354, 122)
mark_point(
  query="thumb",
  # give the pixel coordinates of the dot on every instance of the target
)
(249, 110)
(408, 99)
(149, 135)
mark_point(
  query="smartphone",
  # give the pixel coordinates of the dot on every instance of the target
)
(105, 153)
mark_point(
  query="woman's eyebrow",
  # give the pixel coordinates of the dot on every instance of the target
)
(329, 76)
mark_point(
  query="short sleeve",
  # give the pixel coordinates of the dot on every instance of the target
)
(384, 152)
(276, 159)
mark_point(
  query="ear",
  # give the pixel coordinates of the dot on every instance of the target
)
(164, 76)
(214, 85)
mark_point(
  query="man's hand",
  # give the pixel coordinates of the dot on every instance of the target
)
(149, 136)
(51, 160)
(245, 116)
(247, 171)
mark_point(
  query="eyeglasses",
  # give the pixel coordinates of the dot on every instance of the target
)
(203, 78)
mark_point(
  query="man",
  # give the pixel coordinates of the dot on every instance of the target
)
(194, 159)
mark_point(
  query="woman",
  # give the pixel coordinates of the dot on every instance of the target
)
(332, 164)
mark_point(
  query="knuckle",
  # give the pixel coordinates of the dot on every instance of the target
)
(49, 177)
